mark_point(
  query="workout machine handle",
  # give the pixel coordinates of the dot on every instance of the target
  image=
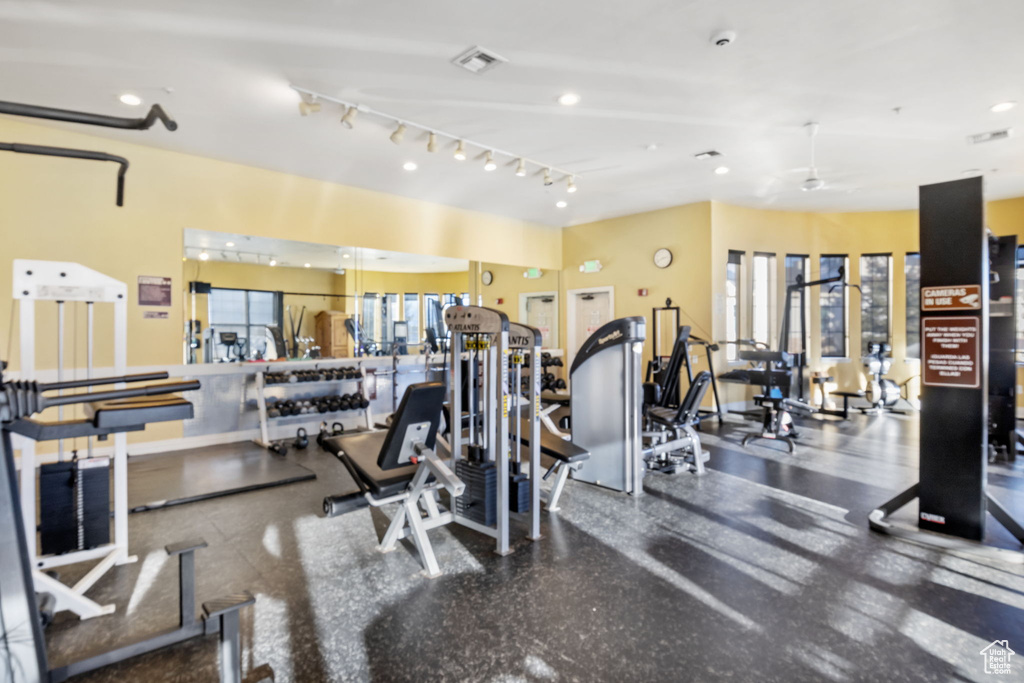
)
(156, 113)
(79, 383)
(148, 390)
(72, 154)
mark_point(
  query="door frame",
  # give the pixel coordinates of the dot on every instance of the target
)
(523, 296)
(572, 345)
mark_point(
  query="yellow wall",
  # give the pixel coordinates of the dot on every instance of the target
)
(509, 283)
(62, 209)
(625, 247)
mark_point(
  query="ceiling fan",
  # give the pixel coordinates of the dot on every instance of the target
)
(813, 182)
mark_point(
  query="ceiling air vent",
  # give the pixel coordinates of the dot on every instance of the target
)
(478, 60)
(990, 136)
(710, 154)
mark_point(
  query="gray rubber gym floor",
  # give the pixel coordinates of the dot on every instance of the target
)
(762, 570)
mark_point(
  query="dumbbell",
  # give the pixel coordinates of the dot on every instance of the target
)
(363, 402)
(333, 403)
(548, 377)
(557, 362)
(323, 405)
(278, 449)
(560, 383)
(344, 403)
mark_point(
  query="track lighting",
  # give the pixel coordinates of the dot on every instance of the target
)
(273, 261)
(547, 177)
(349, 119)
(569, 99)
(310, 107)
(571, 185)
(521, 167)
(489, 164)
(721, 170)
(399, 134)
(460, 151)
(203, 256)
(432, 142)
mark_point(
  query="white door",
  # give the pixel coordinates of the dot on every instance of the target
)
(589, 309)
(540, 310)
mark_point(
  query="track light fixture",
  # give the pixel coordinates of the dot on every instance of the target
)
(203, 256)
(307, 107)
(311, 100)
(273, 261)
(571, 184)
(349, 119)
(399, 134)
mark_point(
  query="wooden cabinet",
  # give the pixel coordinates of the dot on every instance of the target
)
(331, 335)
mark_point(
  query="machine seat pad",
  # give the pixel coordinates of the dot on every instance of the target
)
(664, 416)
(361, 451)
(552, 446)
(130, 412)
(555, 397)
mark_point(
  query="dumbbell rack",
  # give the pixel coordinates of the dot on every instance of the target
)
(271, 428)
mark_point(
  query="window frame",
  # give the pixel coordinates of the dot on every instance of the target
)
(865, 300)
(825, 291)
(248, 325)
(736, 313)
(805, 324)
(916, 310)
(770, 271)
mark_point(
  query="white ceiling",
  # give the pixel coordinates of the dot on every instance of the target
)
(292, 254)
(645, 70)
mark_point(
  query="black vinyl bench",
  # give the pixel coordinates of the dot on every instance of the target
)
(400, 466)
(567, 456)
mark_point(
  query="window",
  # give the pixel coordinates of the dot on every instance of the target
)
(797, 264)
(369, 315)
(733, 273)
(246, 312)
(412, 317)
(388, 316)
(1019, 296)
(432, 315)
(874, 299)
(912, 272)
(833, 308)
(762, 299)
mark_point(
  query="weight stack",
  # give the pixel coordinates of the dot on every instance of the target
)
(74, 505)
(479, 501)
(518, 493)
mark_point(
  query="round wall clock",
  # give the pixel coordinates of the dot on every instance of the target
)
(663, 258)
(487, 277)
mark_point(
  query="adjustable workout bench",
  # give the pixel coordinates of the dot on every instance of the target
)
(400, 466)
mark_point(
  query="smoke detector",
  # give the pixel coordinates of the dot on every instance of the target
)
(478, 59)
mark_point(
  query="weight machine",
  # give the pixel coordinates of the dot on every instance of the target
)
(665, 369)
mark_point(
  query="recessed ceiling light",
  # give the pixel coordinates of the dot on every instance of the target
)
(410, 166)
(203, 256)
(345, 256)
(305, 265)
(130, 99)
(229, 244)
(722, 170)
(568, 99)
(561, 204)
(1003, 106)
(273, 262)
(653, 147)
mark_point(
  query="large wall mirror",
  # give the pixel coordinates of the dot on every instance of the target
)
(257, 298)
